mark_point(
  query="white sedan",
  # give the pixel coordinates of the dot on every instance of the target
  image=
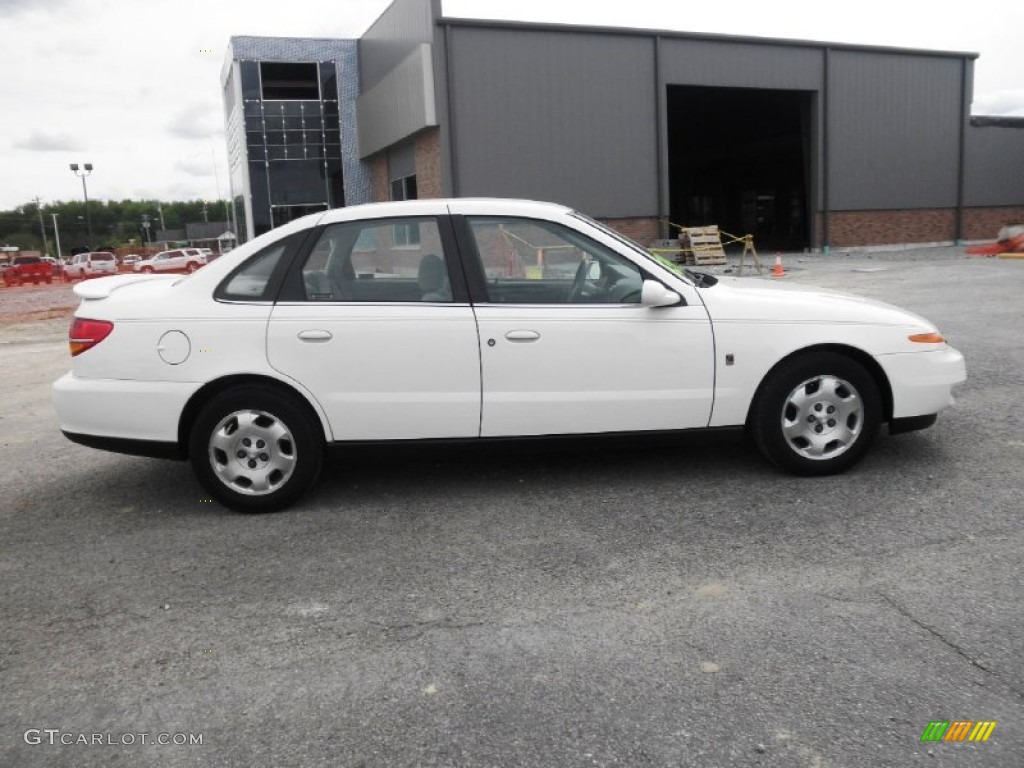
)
(477, 320)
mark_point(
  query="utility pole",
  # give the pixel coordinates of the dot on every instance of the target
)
(42, 227)
(56, 234)
(145, 226)
(160, 210)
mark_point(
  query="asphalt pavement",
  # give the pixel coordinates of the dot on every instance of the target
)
(617, 606)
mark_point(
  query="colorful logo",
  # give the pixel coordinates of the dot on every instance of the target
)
(958, 730)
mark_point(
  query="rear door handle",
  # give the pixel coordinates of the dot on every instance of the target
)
(522, 335)
(315, 335)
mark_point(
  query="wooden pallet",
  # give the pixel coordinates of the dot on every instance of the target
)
(702, 246)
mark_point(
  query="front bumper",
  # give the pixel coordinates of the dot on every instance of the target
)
(922, 382)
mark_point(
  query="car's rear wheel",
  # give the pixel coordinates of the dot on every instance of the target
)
(255, 449)
(191, 267)
(148, 270)
(817, 414)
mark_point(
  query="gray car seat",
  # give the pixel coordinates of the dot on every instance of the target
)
(433, 279)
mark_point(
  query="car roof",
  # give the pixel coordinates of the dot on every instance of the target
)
(440, 206)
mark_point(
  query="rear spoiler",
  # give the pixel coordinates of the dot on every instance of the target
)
(102, 287)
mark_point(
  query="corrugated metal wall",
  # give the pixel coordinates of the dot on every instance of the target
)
(740, 65)
(894, 129)
(399, 30)
(995, 165)
(566, 117)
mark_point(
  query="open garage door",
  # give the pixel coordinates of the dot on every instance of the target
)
(741, 158)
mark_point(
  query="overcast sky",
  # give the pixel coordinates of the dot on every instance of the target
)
(134, 87)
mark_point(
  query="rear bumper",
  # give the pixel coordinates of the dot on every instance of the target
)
(149, 448)
(922, 382)
(91, 411)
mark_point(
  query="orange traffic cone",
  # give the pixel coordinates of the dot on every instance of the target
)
(777, 270)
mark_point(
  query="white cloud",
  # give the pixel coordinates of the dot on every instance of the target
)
(1009, 103)
(42, 141)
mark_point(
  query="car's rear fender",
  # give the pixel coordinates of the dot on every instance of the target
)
(213, 388)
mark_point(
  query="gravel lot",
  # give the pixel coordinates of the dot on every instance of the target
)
(675, 606)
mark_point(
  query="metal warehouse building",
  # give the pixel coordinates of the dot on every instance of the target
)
(802, 144)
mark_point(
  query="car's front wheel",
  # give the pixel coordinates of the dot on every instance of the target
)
(817, 414)
(147, 270)
(256, 449)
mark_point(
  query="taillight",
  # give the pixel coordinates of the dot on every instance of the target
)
(86, 334)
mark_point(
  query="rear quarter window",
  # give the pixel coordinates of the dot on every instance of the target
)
(259, 276)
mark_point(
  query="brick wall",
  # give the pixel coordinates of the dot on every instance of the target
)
(428, 164)
(985, 223)
(860, 228)
(643, 230)
(380, 186)
(855, 228)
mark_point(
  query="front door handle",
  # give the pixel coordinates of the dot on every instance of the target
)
(522, 335)
(315, 335)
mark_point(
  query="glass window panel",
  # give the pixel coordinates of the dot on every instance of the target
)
(275, 138)
(286, 80)
(297, 181)
(251, 281)
(254, 123)
(538, 262)
(250, 72)
(361, 261)
(328, 81)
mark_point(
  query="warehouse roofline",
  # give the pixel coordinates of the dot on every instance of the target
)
(700, 36)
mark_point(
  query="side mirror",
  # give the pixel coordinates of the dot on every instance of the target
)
(654, 294)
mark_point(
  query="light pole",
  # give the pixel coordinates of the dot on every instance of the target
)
(56, 235)
(86, 170)
(42, 227)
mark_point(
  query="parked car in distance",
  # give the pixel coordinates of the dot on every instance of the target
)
(24, 269)
(56, 267)
(90, 264)
(178, 260)
(130, 258)
(461, 320)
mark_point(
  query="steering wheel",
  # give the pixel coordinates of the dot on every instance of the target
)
(579, 281)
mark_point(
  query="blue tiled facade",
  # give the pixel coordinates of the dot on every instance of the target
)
(292, 154)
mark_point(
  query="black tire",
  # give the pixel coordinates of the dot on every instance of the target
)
(284, 439)
(793, 426)
(191, 267)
